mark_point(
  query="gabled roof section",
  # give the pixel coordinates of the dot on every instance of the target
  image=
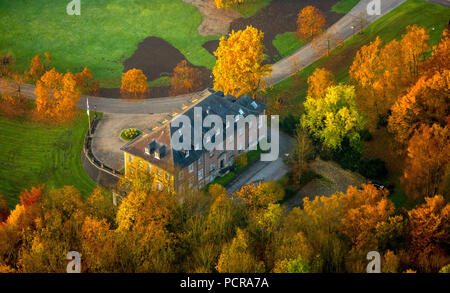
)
(211, 103)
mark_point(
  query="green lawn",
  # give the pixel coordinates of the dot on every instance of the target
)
(32, 154)
(344, 6)
(106, 33)
(251, 7)
(287, 43)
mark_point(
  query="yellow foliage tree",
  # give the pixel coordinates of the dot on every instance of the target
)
(134, 83)
(239, 68)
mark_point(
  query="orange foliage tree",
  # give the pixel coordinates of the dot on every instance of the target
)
(85, 81)
(239, 68)
(185, 79)
(38, 67)
(56, 95)
(426, 102)
(381, 74)
(319, 82)
(428, 161)
(29, 197)
(311, 22)
(227, 3)
(440, 59)
(429, 234)
(134, 83)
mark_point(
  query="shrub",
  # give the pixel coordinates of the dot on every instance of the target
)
(240, 162)
(130, 134)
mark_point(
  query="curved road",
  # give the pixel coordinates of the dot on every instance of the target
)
(306, 55)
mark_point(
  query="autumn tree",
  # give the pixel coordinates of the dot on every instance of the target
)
(56, 95)
(13, 106)
(260, 195)
(319, 82)
(381, 74)
(38, 67)
(429, 230)
(185, 79)
(302, 153)
(29, 197)
(134, 83)
(428, 161)
(85, 81)
(311, 23)
(426, 103)
(237, 257)
(239, 68)
(6, 61)
(440, 58)
(227, 3)
(55, 233)
(334, 117)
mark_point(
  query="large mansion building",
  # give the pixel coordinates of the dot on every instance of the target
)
(196, 166)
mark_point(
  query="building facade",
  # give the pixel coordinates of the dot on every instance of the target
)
(197, 166)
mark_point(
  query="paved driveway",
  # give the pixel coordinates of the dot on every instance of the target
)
(106, 141)
(264, 171)
(281, 70)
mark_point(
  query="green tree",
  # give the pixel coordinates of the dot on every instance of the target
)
(334, 117)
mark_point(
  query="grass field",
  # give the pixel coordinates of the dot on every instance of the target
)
(344, 6)
(287, 43)
(251, 8)
(106, 33)
(32, 154)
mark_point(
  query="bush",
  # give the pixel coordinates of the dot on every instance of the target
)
(288, 124)
(240, 162)
(351, 159)
(130, 134)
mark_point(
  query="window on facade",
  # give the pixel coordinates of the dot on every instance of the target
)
(131, 158)
(200, 162)
(191, 168)
(211, 167)
(211, 153)
(200, 174)
(167, 176)
(159, 185)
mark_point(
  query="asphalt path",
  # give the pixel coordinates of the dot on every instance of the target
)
(347, 26)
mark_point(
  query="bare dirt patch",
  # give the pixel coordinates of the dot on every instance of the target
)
(334, 179)
(215, 21)
(156, 58)
(281, 16)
